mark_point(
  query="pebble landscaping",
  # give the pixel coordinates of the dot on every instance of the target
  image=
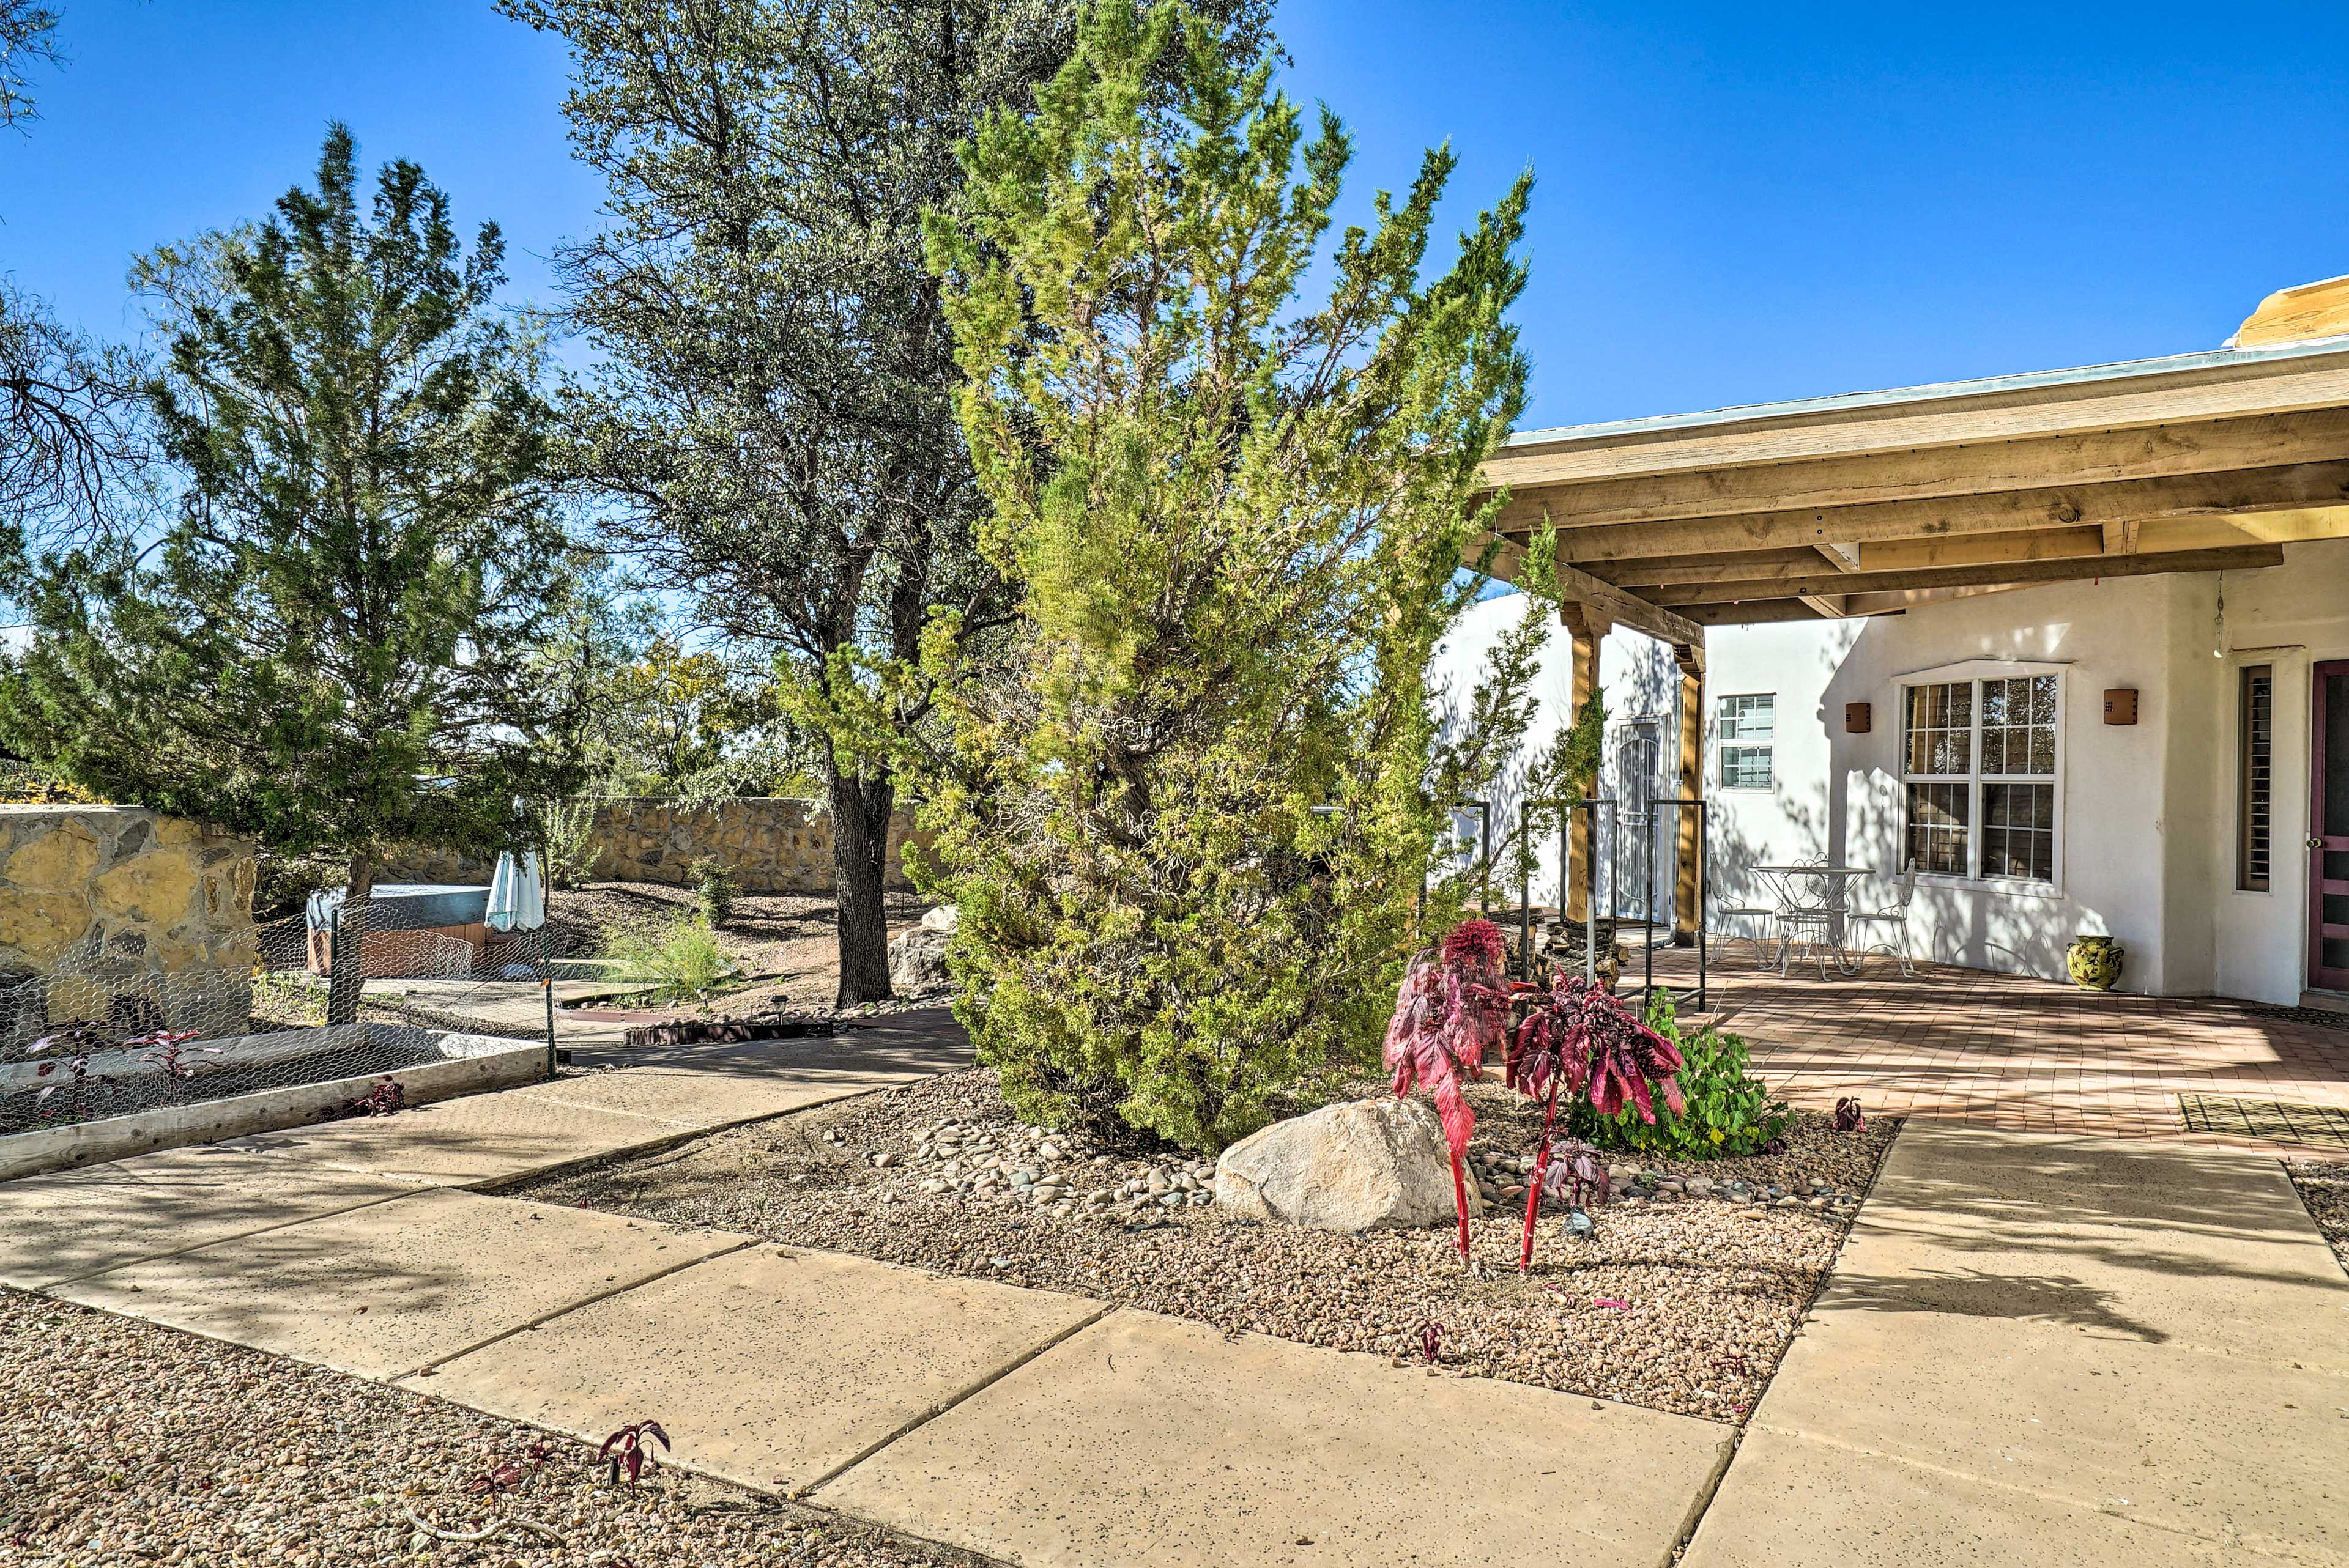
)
(2323, 1187)
(126, 1443)
(1682, 1294)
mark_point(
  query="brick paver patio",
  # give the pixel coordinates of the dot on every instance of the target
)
(2006, 1051)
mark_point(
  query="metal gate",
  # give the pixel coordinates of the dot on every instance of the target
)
(1632, 878)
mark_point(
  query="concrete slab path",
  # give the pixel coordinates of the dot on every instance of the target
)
(2040, 1349)
(389, 1289)
(773, 1367)
(1150, 1440)
(63, 1226)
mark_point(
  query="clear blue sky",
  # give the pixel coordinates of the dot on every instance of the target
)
(1736, 201)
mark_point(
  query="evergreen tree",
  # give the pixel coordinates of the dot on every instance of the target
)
(1190, 812)
(328, 645)
(773, 424)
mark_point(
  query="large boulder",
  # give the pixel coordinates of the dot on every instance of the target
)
(917, 959)
(1371, 1165)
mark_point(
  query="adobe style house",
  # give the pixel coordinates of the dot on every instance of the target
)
(2075, 642)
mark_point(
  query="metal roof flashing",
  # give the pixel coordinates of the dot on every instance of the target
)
(1943, 391)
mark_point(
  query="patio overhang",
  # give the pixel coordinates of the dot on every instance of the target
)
(1877, 502)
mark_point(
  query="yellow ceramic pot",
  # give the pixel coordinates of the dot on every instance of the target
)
(2094, 962)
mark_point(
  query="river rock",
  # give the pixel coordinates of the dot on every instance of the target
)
(1373, 1164)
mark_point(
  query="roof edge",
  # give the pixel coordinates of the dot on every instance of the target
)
(1932, 392)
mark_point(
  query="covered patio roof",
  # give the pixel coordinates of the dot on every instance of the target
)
(1874, 502)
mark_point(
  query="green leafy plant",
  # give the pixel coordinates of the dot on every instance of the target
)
(714, 890)
(1725, 1110)
(683, 963)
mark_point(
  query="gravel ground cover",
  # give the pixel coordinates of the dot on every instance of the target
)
(1677, 1301)
(126, 1443)
(2325, 1188)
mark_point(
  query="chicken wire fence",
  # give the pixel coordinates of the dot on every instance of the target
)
(320, 1004)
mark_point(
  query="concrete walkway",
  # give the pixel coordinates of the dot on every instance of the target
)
(1031, 1425)
(2041, 1349)
(2032, 1351)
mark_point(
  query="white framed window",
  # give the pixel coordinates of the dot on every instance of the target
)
(1745, 728)
(1979, 776)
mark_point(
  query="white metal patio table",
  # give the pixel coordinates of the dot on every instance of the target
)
(1814, 917)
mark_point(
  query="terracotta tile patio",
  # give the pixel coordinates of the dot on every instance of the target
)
(2001, 1050)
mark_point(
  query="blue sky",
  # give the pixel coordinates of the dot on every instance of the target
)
(1737, 203)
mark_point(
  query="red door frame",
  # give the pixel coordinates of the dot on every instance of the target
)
(2320, 841)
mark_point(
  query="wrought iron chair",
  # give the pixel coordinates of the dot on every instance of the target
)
(1895, 944)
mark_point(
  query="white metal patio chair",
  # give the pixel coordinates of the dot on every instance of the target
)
(1895, 944)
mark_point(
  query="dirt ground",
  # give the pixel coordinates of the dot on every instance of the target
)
(785, 944)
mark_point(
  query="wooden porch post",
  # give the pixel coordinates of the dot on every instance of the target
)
(1685, 914)
(1587, 628)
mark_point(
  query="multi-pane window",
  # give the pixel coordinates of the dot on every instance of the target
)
(1748, 728)
(2255, 769)
(1978, 772)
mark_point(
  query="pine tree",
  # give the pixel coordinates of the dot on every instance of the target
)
(1191, 812)
(328, 645)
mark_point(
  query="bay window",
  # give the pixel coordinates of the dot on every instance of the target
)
(1977, 777)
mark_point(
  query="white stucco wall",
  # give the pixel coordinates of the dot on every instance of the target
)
(2147, 840)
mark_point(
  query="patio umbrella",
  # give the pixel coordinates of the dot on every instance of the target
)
(517, 893)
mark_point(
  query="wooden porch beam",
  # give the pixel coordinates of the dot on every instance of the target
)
(2064, 570)
(2298, 459)
(1610, 602)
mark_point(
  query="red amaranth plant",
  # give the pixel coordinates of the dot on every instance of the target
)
(1452, 1006)
(1578, 1037)
(169, 1049)
(626, 1448)
(1847, 1114)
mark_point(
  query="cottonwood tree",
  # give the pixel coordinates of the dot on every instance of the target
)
(773, 427)
(328, 645)
(1190, 809)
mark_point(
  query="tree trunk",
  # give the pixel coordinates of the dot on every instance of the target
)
(861, 808)
(347, 973)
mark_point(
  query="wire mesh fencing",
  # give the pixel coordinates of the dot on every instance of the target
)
(345, 999)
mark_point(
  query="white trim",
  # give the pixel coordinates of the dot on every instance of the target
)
(1983, 670)
(1974, 672)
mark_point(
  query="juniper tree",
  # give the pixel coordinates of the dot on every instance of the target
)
(328, 647)
(1190, 809)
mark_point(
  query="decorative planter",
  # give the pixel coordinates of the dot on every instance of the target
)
(2094, 962)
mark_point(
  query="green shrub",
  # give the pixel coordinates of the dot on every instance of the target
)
(1726, 1110)
(714, 890)
(684, 964)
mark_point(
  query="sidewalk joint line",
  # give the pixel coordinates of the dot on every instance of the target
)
(565, 1310)
(985, 1382)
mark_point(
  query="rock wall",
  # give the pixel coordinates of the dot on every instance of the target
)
(114, 890)
(136, 918)
(773, 845)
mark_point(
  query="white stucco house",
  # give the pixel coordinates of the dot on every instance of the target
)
(2074, 644)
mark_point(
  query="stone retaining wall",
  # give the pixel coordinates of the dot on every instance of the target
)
(118, 891)
(772, 845)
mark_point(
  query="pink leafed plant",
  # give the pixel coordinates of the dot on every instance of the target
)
(168, 1050)
(1453, 1007)
(1847, 1114)
(1576, 1036)
(626, 1450)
